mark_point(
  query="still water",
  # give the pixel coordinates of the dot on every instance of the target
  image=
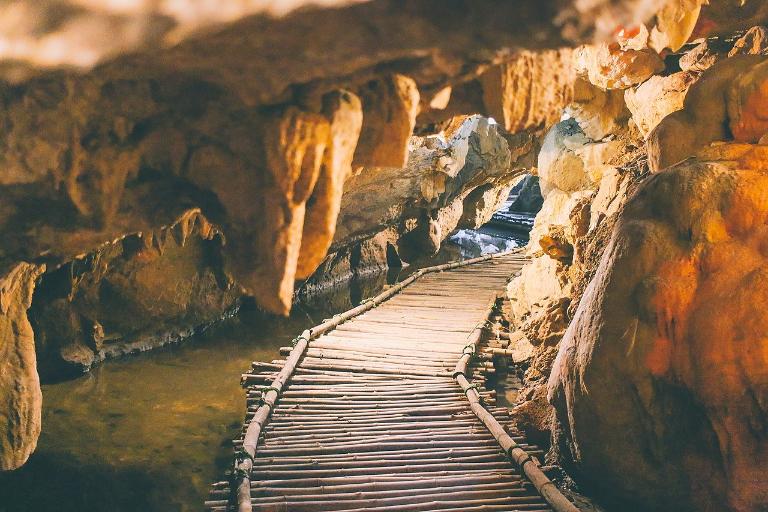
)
(146, 433)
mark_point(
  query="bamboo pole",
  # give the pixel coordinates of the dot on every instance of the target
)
(521, 457)
(244, 460)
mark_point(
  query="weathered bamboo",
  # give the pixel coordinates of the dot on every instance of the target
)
(244, 461)
(521, 457)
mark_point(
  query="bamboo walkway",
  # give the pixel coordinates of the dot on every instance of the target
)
(382, 409)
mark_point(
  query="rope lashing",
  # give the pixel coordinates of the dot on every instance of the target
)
(295, 341)
(262, 398)
(469, 349)
(366, 301)
(470, 387)
(240, 474)
(242, 456)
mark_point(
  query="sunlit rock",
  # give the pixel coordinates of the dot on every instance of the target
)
(599, 113)
(658, 97)
(660, 376)
(529, 91)
(608, 66)
(726, 95)
(754, 42)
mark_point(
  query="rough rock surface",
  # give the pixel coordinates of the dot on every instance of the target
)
(448, 183)
(727, 100)
(661, 375)
(609, 66)
(529, 91)
(137, 292)
(657, 98)
(20, 397)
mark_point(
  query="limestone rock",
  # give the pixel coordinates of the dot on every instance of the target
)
(20, 395)
(448, 183)
(520, 347)
(707, 112)
(675, 24)
(533, 415)
(569, 161)
(598, 112)
(555, 244)
(658, 380)
(754, 42)
(729, 16)
(748, 105)
(541, 282)
(528, 198)
(702, 57)
(611, 67)
(390, 106)
(345, 113)
(138, 292)
(529, 91)
(655, 99)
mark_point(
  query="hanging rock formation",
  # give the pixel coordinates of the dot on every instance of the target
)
(21, 398)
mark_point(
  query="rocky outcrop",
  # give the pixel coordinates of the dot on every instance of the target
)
(529, 91)
(389, 214)
(659, 376)
(726, 102)
(527, 196)
(137, 292)
(20, 396)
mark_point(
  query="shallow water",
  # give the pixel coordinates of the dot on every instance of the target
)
(149, 432)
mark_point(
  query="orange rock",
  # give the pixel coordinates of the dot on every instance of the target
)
(660, 377)
(748, 105)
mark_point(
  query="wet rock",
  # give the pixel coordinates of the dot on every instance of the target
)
(20, 396)
(656, 382)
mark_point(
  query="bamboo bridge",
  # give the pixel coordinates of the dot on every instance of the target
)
(382, 408)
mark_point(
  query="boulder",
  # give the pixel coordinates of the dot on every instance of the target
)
(21, 399)
(660, 380)
(675, 24)
(599, 113)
